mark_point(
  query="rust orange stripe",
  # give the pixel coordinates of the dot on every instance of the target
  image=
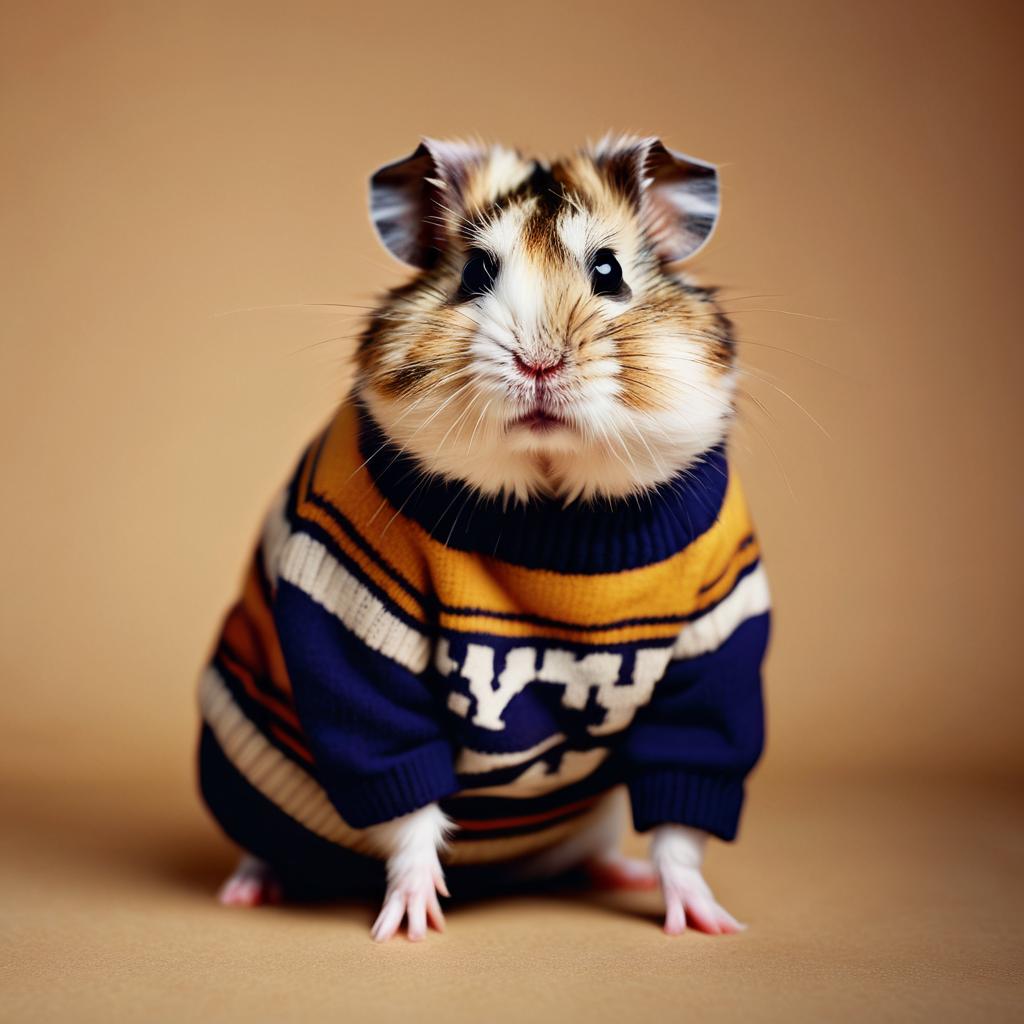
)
(262, 625)
(293, 743)
(285, 713)
(526, 819)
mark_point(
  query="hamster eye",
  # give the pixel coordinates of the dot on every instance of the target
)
(479, 274)
(605, 273)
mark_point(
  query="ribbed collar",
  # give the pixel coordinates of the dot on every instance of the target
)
(586, 537)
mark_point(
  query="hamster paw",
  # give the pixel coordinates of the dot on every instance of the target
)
(252, 884)
(615, 870)
(689, 901)
(678, 852)
(412, 894)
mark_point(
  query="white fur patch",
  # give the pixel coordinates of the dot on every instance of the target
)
(412, 838)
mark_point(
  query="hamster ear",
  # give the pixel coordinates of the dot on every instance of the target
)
(408, 198)
(676, 195)
(680, 201)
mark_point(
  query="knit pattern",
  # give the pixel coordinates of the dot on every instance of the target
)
(400, 640)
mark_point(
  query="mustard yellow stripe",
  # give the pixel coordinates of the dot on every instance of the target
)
(734, 525)
(342, 481)
(727, 580)
(519, 628)
(670, 588)
(458, 579)
(400, 596)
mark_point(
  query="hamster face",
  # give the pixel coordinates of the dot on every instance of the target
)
(548, 344)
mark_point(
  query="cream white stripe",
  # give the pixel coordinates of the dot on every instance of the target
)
(275, 535)
(308, 565)
(279, 779)
(750, 597)
(476, 762)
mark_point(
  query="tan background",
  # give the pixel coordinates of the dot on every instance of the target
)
(180, 181)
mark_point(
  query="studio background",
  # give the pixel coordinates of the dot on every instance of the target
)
(184, 185)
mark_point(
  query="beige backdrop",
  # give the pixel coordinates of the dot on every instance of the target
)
(182, 183)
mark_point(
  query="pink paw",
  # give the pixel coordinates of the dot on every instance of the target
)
(412, 896)
(699, 911)
(690, 903)
(252, 884)
(617, 871)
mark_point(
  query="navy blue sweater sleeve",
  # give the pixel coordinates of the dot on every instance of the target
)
(689, 750)
(358, 679)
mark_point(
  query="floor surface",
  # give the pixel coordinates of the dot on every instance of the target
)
(865, 903)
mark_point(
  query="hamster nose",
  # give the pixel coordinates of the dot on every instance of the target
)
(537, 368)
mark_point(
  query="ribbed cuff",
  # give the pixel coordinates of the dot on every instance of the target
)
(668, 796)
(424, 776)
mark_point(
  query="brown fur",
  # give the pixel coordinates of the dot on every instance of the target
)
(418, 336)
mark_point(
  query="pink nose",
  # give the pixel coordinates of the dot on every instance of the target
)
(536, 369)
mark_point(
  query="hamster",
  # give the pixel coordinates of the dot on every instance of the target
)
(512, 590)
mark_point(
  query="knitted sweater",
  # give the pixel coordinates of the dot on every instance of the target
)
(400, 640)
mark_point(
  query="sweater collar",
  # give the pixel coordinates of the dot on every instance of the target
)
(588, 537)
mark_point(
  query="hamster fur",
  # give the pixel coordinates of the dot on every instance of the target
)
(637, 384)
(548, 345)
